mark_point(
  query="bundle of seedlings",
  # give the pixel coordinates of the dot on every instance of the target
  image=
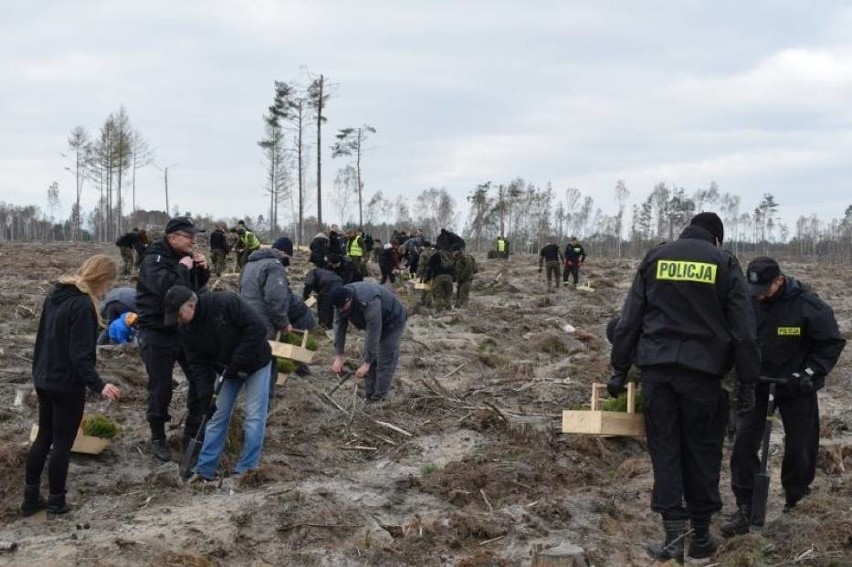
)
(285, 365)
(295, 339)
(99, 425)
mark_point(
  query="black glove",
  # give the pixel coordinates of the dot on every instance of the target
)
(802, 382)
(615, 384)
(745, 399)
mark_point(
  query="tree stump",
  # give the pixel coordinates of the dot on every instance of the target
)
(563, 555)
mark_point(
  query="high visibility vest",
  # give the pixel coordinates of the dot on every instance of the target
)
(501, 245)
(250, 241)
(355, 248)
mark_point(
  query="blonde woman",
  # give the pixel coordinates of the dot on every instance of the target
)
(63, 365)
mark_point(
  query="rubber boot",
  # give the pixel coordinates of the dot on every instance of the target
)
(703, 544)
(33, 502)
(738, 522)
(56, 504)
(672, 547)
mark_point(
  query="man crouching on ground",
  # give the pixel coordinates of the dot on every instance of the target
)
(220, 330)
(375, 309)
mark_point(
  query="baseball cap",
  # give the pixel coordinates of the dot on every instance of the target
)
(174, 300)
(761, 272)
(183, 224)
(340, 295)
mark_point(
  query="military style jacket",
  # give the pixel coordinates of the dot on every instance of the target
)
(465, 268)
(689, 307)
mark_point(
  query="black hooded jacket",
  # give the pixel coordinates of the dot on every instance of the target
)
(796, 331)
(64, 357)
(689, 307)
(159, 271)
(225, 332)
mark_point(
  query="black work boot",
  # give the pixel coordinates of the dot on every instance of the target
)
(703, 544)
(33, 502)
(160, 449)
(738, 522)
(159, 445)
(56, 504)
(672, 547)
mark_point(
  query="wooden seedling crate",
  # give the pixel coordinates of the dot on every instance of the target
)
(423, 286)
(286, 350)
(87, 444)
(587, 287)
(597, 422)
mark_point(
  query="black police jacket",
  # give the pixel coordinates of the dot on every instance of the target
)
(225, 332)
(159, 271)
(797, 331)
(689, 307)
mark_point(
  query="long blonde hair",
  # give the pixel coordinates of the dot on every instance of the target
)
(94, 278)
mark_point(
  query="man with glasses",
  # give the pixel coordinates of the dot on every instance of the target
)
(168, 262)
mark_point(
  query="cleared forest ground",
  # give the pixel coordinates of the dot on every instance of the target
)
(465, 465)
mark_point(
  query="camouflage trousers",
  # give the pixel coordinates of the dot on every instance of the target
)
(463, 293)
(442, 291)
(218, 257)
(127, 259)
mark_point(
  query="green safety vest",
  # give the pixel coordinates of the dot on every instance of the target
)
(355, 248)
(501, 245)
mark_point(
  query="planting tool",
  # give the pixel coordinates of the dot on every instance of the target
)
(760, 493)
(195, 442)
(346, 376)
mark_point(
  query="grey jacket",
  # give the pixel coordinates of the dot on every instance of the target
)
(374, 309)
(265, 287)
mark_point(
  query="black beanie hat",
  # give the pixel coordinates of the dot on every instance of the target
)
(711, 223)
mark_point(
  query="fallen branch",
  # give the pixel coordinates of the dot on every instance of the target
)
(393, 427)
(359, 448)
(497, 411)
(484, 497)
(487, 541)
(327, 526)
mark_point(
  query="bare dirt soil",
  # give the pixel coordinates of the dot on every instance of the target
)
(465, 465)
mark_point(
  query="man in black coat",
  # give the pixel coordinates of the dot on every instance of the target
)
(168, 262)
(686, 318)
(800, 342)
(321, 282)
(220, 332)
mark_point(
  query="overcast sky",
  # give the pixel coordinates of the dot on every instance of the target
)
(755, 95)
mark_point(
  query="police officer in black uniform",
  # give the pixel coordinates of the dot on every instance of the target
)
(800, 342)
(170, 261)
(686, 319)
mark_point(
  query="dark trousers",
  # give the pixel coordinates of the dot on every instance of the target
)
(685, 414)
(59, 415)
(800, 416)
(325, 310)
(387, 274)
(572, 270)
(159, 352)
